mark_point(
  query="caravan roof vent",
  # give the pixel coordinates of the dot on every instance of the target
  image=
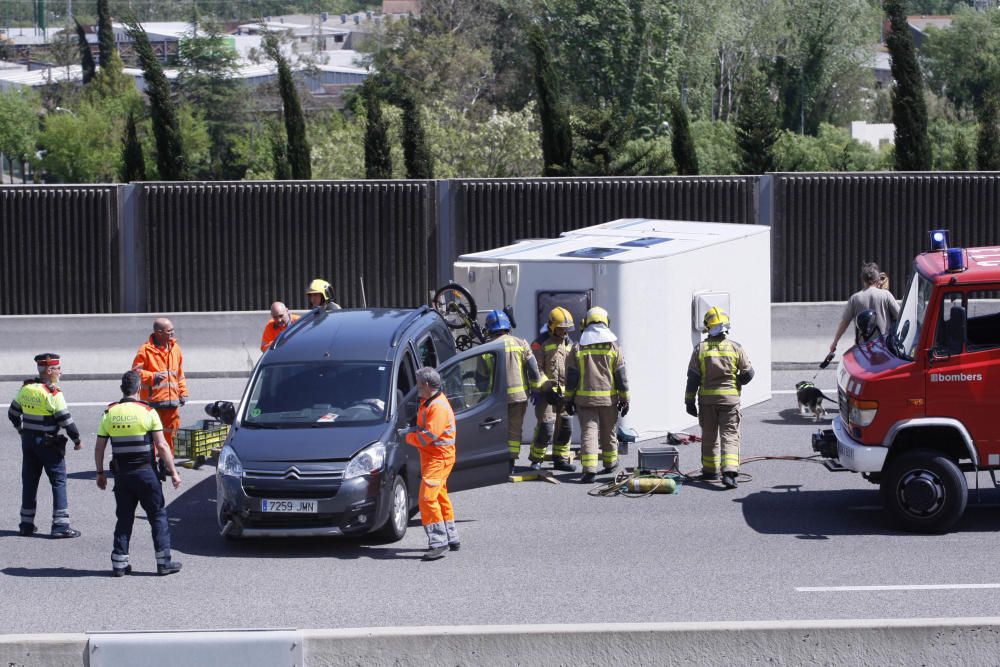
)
(593, 253)
(645, 242)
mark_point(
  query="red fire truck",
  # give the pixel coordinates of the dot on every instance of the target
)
(920, 407)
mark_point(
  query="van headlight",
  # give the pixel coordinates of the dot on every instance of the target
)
(229, 463)
(368, 460)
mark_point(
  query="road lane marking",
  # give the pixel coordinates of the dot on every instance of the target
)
(902, 587)
(792, 391)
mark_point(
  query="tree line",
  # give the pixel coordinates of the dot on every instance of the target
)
(496, 88)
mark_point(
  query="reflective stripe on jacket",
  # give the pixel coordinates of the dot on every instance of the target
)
(551, 353)
(435, 424)
(596, 376)
(714, 370)
(271, 331)
(522, 369)
(41, 407)
(150, 360)
(128, 425)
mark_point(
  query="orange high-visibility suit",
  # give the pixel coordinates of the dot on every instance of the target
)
(163, 384)
(434, 436)
(271, 331)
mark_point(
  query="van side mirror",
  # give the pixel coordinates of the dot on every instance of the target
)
(224, 411)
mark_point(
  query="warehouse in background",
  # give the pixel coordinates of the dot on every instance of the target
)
(656, 278)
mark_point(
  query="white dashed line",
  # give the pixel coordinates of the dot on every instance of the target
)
(903, 587)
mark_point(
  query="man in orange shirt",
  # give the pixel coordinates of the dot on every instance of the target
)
(280, 320)
(434, 436)
(160, 364)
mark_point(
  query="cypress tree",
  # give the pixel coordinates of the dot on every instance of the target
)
(279, 154)
(86, 57)
(681, 142)
(133, 163)
(557, 135)
(170, 159)
(299, 159)
(416, 152)
(105, 35)
(378, 158)
(909, 111)
(756, 126)
(961, 160)
(988, 142)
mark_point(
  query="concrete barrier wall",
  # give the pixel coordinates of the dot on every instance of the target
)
(228, 343)
(964, 641)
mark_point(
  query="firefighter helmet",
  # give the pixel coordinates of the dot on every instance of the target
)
(560, 318)
(320, 286)
(716, 321)
(497, 321)
(597, 315)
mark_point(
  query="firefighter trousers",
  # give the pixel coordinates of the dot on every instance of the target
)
(553, 428)
(515, 426)
(597, 432)
(720, 438)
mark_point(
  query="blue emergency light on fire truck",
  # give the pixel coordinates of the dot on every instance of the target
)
(919, 406)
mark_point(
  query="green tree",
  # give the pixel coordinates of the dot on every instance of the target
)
(599, 134)
(299, 159)
(962, 159)
(832, 149)
(557, 135)
(76, 147)
(86, 57)
(682, 143)
(505, 145)
(416, 153)
(133, 166)
(909, 112)
(18, 126)
(717, 147)
(963, 61)
(170, 159)
(279, 154)
(207, 80)
(105, 33)
(988, 143)
(756, 126)
(378, 159)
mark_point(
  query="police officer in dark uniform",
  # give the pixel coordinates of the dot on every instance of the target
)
(38, 412)
(134, 429)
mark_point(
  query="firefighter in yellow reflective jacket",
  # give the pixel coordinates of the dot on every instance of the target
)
(718, 368)
(522, 376)
(551, 349)
(597, 389)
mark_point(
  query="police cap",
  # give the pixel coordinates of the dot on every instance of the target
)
(47, 359)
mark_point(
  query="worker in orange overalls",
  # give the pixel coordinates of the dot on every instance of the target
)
(160, 364)
(280, 320)
(434, 436)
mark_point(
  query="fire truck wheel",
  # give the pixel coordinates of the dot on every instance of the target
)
(925, 491)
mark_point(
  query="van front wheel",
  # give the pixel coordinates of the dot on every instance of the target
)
(925, 491)
(399, 513)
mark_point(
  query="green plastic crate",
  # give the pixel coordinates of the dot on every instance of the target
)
(198, 443)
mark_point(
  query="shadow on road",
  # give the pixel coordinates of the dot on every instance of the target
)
(56, 572)
(194, 530)
(792, 416)
(818, 515)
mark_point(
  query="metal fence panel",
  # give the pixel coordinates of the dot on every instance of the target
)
(58, 249)
(492, 213)
(240, 246)
(826, 225)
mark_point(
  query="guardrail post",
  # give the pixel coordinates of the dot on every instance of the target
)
(131, 248)
(445, 232)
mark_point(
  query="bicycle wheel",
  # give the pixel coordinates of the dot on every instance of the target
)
(455, 305)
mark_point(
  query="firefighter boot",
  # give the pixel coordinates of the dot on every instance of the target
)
(536, 465)
(562, 464)
(588, 477)
(729, 480)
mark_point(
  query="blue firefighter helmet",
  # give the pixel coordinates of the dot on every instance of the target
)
(497, 321)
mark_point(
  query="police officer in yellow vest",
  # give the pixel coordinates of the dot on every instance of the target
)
(134, 429)
(718, 368)
(597, 390)
(37, 412)
(551, 350)
(522, 376)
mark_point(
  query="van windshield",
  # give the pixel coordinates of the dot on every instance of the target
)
(318, 394)
(906, 336)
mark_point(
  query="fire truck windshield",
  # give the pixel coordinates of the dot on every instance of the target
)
(906, 336)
